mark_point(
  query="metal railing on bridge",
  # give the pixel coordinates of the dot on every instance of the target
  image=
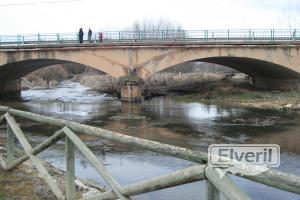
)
(201, 36)
(201, 171)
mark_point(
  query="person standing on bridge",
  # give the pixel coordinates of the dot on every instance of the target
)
(100, 36)
(80, 35)
(90, 35)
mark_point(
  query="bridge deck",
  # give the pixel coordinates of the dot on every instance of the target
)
(139, 44)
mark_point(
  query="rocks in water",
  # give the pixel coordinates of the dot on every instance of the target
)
(287, 106)
(255, 121)
(128, 117)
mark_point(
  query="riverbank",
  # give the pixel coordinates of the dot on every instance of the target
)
(213, 88)
(244, 95)
(25, 183)
(160, 84)
(38, 83)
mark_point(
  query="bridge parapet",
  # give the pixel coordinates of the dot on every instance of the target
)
(150, 36)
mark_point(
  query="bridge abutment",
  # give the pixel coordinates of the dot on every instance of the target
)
(10, 88)
(277, 84)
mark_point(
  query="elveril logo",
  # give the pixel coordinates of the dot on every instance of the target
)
(245, 159)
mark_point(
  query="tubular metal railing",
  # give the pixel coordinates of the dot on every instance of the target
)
(215, 185)
(222, 36)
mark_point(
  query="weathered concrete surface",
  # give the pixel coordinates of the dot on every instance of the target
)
(10, 87)
(278, 62)
(131, 93)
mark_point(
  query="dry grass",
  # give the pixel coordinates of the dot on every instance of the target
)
(100, 83)
(56, 72)
(168, 79)
(50, 76)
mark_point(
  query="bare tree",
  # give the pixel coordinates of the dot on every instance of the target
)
(149, 29)
(291, 14)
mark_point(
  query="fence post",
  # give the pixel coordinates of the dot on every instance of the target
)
(57, 38)
(173, 35)
(294, 34)
(272, 35)
(19, 39)
(249, 34)
(10, 145)
(224, 184)
(39, 38)
(228, 35)
(70, 168)
(97, 164)
(212, 193)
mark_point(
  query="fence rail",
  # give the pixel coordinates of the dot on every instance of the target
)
(200, 171)
(216, 36)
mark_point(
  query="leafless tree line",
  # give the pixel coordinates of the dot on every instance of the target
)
(154, 29)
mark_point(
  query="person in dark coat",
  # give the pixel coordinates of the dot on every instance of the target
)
(101, 36)
(80, 35)
(90, 35)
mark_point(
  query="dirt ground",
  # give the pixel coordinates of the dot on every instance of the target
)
(24, 183)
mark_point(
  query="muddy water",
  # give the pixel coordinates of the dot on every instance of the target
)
(190, 125)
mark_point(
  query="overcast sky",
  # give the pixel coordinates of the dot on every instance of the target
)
(100, 15)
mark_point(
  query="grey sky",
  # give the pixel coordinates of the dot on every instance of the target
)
(102, 15)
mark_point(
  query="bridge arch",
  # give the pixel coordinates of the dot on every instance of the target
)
(271, 67)
(16, 70)
(254, 61)
(251, 67)
(17, 63)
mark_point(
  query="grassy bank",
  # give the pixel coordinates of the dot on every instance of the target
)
(244, 95)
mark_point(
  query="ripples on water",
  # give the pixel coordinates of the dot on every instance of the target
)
(190, 125)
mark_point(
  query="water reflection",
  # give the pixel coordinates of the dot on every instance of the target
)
(69, 100)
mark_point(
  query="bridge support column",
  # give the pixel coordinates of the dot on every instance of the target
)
(10, 88)
(132, 88)
(277, 84)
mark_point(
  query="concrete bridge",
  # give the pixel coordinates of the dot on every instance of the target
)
(272, 64)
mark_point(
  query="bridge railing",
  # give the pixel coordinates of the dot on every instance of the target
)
(222, 36)
(215, 185)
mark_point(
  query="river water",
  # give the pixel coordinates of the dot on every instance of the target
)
(167, 120)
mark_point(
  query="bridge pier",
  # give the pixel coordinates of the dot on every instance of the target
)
(132, 88)
(131, 92)
(10, 88)
(277, 84)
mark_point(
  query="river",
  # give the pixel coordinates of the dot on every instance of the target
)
(167, 120)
